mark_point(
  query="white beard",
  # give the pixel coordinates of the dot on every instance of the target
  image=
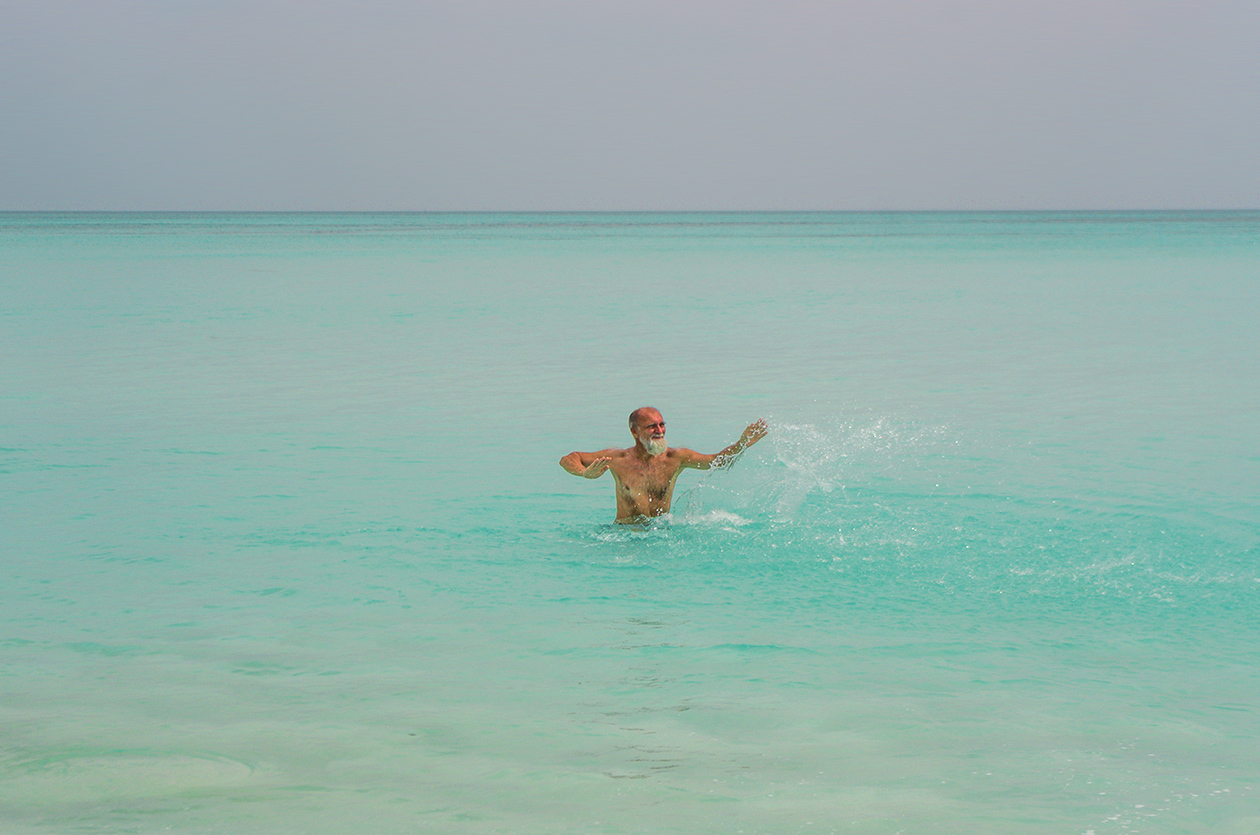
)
(655, 447)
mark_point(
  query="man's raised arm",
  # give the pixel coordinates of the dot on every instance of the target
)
(754, 433)
(587, 464)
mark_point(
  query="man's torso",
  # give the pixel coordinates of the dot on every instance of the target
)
(645, 487)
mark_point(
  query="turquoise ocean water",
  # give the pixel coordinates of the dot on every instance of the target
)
(284, 547)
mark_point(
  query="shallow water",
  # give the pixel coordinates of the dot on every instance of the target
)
(286, 547)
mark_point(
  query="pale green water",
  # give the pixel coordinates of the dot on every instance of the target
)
(286, 549)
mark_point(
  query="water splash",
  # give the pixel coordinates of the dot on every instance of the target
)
(888, 506)
(807, 463)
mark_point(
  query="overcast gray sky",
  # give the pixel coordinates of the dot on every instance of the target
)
(639, 104)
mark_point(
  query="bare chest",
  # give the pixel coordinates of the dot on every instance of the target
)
(654, 479)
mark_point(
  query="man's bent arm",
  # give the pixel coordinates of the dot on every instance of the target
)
(586, 464)
(754, 433)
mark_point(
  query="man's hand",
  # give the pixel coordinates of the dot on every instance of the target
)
(755, 432)
(596, 468)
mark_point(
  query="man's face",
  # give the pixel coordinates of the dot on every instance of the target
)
(650, 432)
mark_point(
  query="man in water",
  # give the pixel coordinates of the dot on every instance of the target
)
(645, 473)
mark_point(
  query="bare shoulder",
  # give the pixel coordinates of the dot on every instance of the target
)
(686, 456)
(614, 454)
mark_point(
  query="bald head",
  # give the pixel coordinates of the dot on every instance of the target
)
(648, 428)
(637, 416)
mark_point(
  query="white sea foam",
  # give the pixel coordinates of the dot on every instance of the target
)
(722, 518)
